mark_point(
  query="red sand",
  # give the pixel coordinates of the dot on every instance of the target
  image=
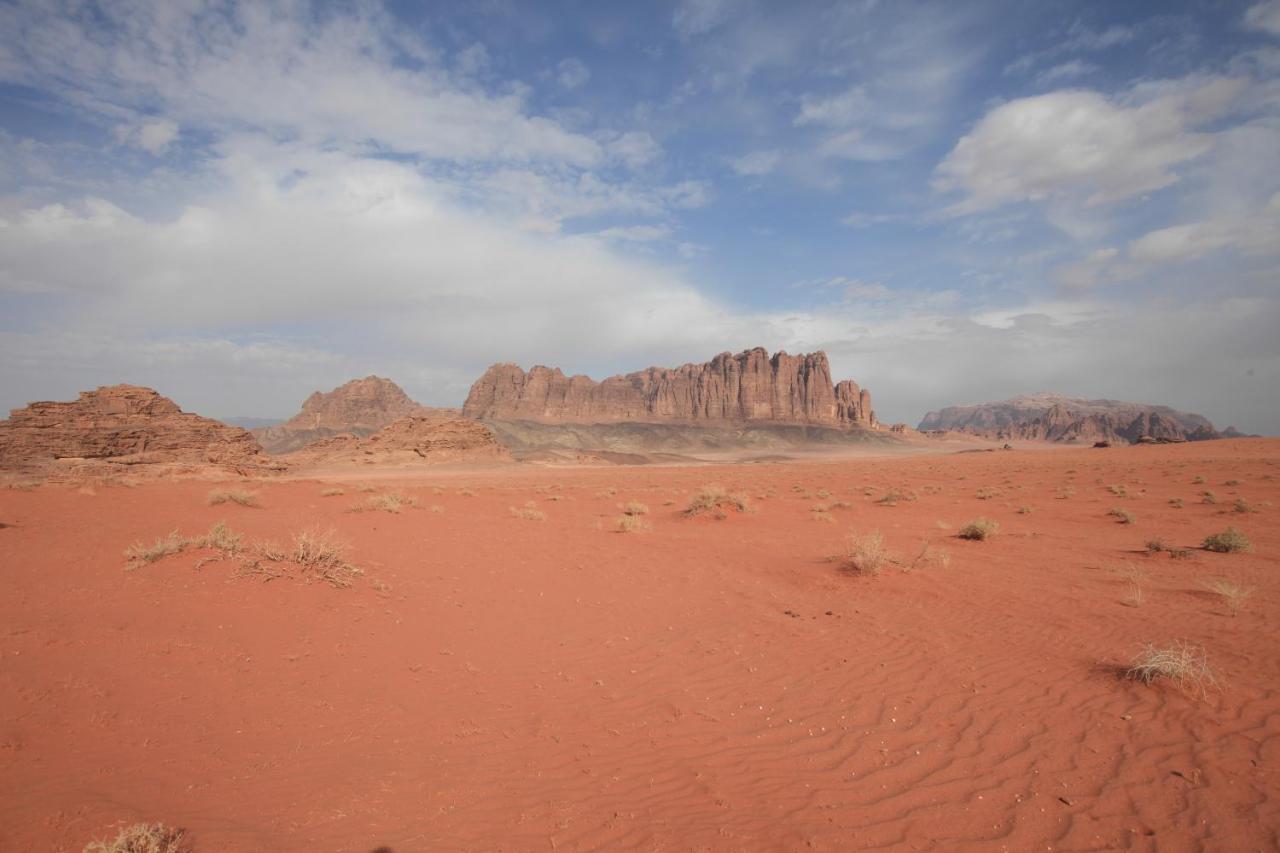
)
(494, 683)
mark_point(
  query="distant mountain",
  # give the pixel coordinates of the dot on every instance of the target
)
(252, 423)
(361, 407)
(1052, 417)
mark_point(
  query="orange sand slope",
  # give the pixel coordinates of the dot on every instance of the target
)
(497, 682)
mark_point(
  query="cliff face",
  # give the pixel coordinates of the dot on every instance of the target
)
(749, 386)
(120, 422)
(361, 407)
(1048, 417)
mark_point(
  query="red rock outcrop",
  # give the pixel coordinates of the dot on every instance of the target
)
(360, 407)
(411, 439)
(749, 386)
(1049, 417)
(122, 423)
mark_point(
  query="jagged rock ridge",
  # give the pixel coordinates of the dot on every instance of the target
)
(749, 386)
(121, 423)
(1050, 417)
(360, 407)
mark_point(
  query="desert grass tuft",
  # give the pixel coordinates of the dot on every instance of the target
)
(139, 552)
(242, 497)
(529, 512)
(980, 530)
(864, 554)
(320, 556)
(391, 502)
(1242, 506)
(631, 524)
(332, 493)
(1229, 541)
(1122, 515)
(1183, 663)
(143, 838)
(220, 537)
(1233, 595)
(715, 499)
(635, 508)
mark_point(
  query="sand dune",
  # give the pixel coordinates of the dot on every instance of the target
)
(498, 683)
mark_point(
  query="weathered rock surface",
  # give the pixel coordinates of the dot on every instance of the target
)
(412, 439)
(121, 423)
(1049, 417)
(360, 407)
(749, 386)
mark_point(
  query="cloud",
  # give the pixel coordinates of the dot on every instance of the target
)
(572, 73)
(1066, 71)
(152, 136)
(1083, 144)
(756, 163)
(698, 17)
(839, 110)
(1264, 17)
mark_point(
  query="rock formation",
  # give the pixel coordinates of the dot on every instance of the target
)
(1049, 417)
(412, 439)
(121, 423)
(749, 386)
(360, 407)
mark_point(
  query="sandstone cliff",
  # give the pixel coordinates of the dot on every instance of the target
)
(122, 423)
(360, 407)
(749, 386)
(412, 439)
(1049, 417)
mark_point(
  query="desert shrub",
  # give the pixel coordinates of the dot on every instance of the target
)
(631, 524)
(1118, 490)
(1233, 595)
(320, 556)
(143, 838)
(1208, 498)
(466, 493)
(332, 493)
(219, 537)
(635, 508)
(1135, 577)
(864, 554)
(1232, 483)
(1122, 515)
(979, 529)
(1229, 541)
(823, 494)
(1156, 545)
(529, 512)
(1176, 503)
(1025, 510)
(386, 502)
(139, 552)
(1183, 663)
(243, 497)
(819, 513)
(1243, 506)
(986, 493)
(715, 499)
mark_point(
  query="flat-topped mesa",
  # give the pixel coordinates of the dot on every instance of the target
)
(749, 386)
(121, 422)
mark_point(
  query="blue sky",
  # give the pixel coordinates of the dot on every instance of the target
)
(240, 203)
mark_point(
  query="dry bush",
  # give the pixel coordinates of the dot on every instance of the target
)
(386, 502)
(320, 556)
(715, 499)
(466, 493)
(1183, 663)
(1156, 545)
(929, 554)
(143, 838)
(819, 513)
(823, 494)
(1229, 541)
(864, 554)
(332, 493)
(1122, 515)
(1243, 506)
(243, 497)
(1065, 492)
(635, 508)
(986, 493)
(220, 537)
(365, 487)
(1198, 480)
(1118, 490)
(980, 530)
(891, 497)
(1233, 594)
(1025, 510)
(1208, 498)
(529, 512)
(631, 524)
(1135, 577)
(139, 552)
(1176, 503)
(1232, 483)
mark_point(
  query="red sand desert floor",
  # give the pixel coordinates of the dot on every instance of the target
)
(498, 683)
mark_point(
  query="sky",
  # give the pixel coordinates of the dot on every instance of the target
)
(240, 203)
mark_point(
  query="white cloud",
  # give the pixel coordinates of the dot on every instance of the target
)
(839, 110)
(756, 163)
(635, 148)
(1083, 144)
(1264, 16)
(572, 73)
(1066, 71)
(697, 17)
(152, 136)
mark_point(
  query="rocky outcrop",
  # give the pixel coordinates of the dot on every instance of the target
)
(408, 440)
(1049, 417)
(749, 386)
(360, 407)
(121, 423)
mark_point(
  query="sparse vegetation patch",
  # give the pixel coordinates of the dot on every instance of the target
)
(1183, 663)
(143, 838)
(979, 530)
(1229, 541)
(242, 497)
(716, 500)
